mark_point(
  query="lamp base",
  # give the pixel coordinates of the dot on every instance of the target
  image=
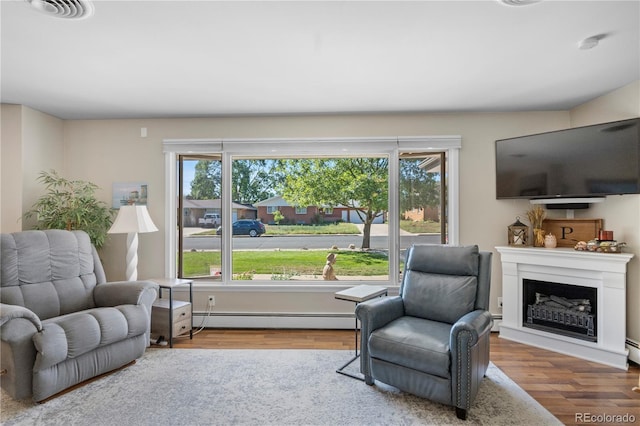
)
(132, 256)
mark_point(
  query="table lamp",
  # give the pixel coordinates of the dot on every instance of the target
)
(132, 220)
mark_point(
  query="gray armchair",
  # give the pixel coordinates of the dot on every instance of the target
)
(61, 323)
(433, 339)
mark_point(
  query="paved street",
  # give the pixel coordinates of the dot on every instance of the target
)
(378, 240)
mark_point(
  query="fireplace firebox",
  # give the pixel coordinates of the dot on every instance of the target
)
(568, 310)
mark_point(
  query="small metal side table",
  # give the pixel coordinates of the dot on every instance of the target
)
(170, 284)
(357, 295)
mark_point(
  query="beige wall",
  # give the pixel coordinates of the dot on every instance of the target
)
(621, 214)
(43, 150)
(617, 105)
(108, 151)
(10, 168)
(31, 142)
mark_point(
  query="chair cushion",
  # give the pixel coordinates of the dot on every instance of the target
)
(50, 272)
(437, 297)
(414, 343)
(444, 259)
(72, 335)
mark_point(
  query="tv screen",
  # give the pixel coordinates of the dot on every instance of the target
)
(598, 160)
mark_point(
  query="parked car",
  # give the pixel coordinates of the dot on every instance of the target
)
(253, 228)
(210, 220)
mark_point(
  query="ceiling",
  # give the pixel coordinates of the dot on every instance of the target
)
(144, 59)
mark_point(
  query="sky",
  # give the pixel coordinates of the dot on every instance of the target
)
(189, 171)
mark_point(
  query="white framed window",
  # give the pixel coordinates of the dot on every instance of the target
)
(234, 155)
(301, 210)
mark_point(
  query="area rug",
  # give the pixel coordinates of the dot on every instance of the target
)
(261, 387)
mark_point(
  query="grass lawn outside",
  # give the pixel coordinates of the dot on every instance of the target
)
(283, 263)
(420, 227)
(324, 229)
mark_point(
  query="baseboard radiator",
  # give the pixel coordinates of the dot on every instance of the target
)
(634, 350)
(273, 320)
(497, 319)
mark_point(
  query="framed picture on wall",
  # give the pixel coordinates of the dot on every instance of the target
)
(129, 193)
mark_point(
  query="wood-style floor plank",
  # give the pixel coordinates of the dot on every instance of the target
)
(572, 389)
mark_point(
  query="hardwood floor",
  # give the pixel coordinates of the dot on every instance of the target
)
(568, 387)
(574, 390)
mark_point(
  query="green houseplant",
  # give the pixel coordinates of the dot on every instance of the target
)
(71, 205)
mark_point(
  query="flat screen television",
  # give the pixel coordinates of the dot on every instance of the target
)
(582, 162)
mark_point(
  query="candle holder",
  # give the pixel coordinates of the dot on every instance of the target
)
(518, 233)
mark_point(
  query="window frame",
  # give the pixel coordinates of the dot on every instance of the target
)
(231, 149)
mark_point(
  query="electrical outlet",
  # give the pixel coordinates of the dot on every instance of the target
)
(500, 302)
(212, 301)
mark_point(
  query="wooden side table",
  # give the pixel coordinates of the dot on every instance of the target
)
(357, 295)
(169, 316)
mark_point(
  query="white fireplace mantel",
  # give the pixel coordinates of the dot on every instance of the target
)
(604, 271)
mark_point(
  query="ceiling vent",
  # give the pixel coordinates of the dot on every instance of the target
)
(67, 9)
(518, 2)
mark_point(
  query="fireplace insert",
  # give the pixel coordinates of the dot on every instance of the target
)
(565, 309)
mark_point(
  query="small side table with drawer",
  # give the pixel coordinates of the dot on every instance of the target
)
(169, 317)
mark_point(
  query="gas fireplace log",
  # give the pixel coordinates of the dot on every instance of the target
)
(541, 298)
(553, 304)
(582, 305)
(580, 302)
(561, 300)
(569, 305)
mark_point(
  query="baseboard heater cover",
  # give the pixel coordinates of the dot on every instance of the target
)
(634, 350)
(274, 320)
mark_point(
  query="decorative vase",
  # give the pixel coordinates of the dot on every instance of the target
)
(550, 241)
(538, 237)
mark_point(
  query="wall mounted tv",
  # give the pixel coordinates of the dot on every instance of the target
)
(581, 162)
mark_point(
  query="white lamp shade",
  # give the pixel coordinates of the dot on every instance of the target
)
(132, 219)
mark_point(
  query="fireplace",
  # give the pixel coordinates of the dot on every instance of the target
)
(566, 301)
(568, 310)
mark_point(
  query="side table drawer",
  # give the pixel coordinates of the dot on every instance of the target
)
(160, 317)
(181, 327)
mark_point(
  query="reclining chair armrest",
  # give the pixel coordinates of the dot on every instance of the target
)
(373, 314)
(376, 313)
(126, 293)
(475, 323)
(18, 325)
(469, 345)
(9, 312)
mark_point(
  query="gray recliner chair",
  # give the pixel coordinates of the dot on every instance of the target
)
(433, 339)
(61, 323)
